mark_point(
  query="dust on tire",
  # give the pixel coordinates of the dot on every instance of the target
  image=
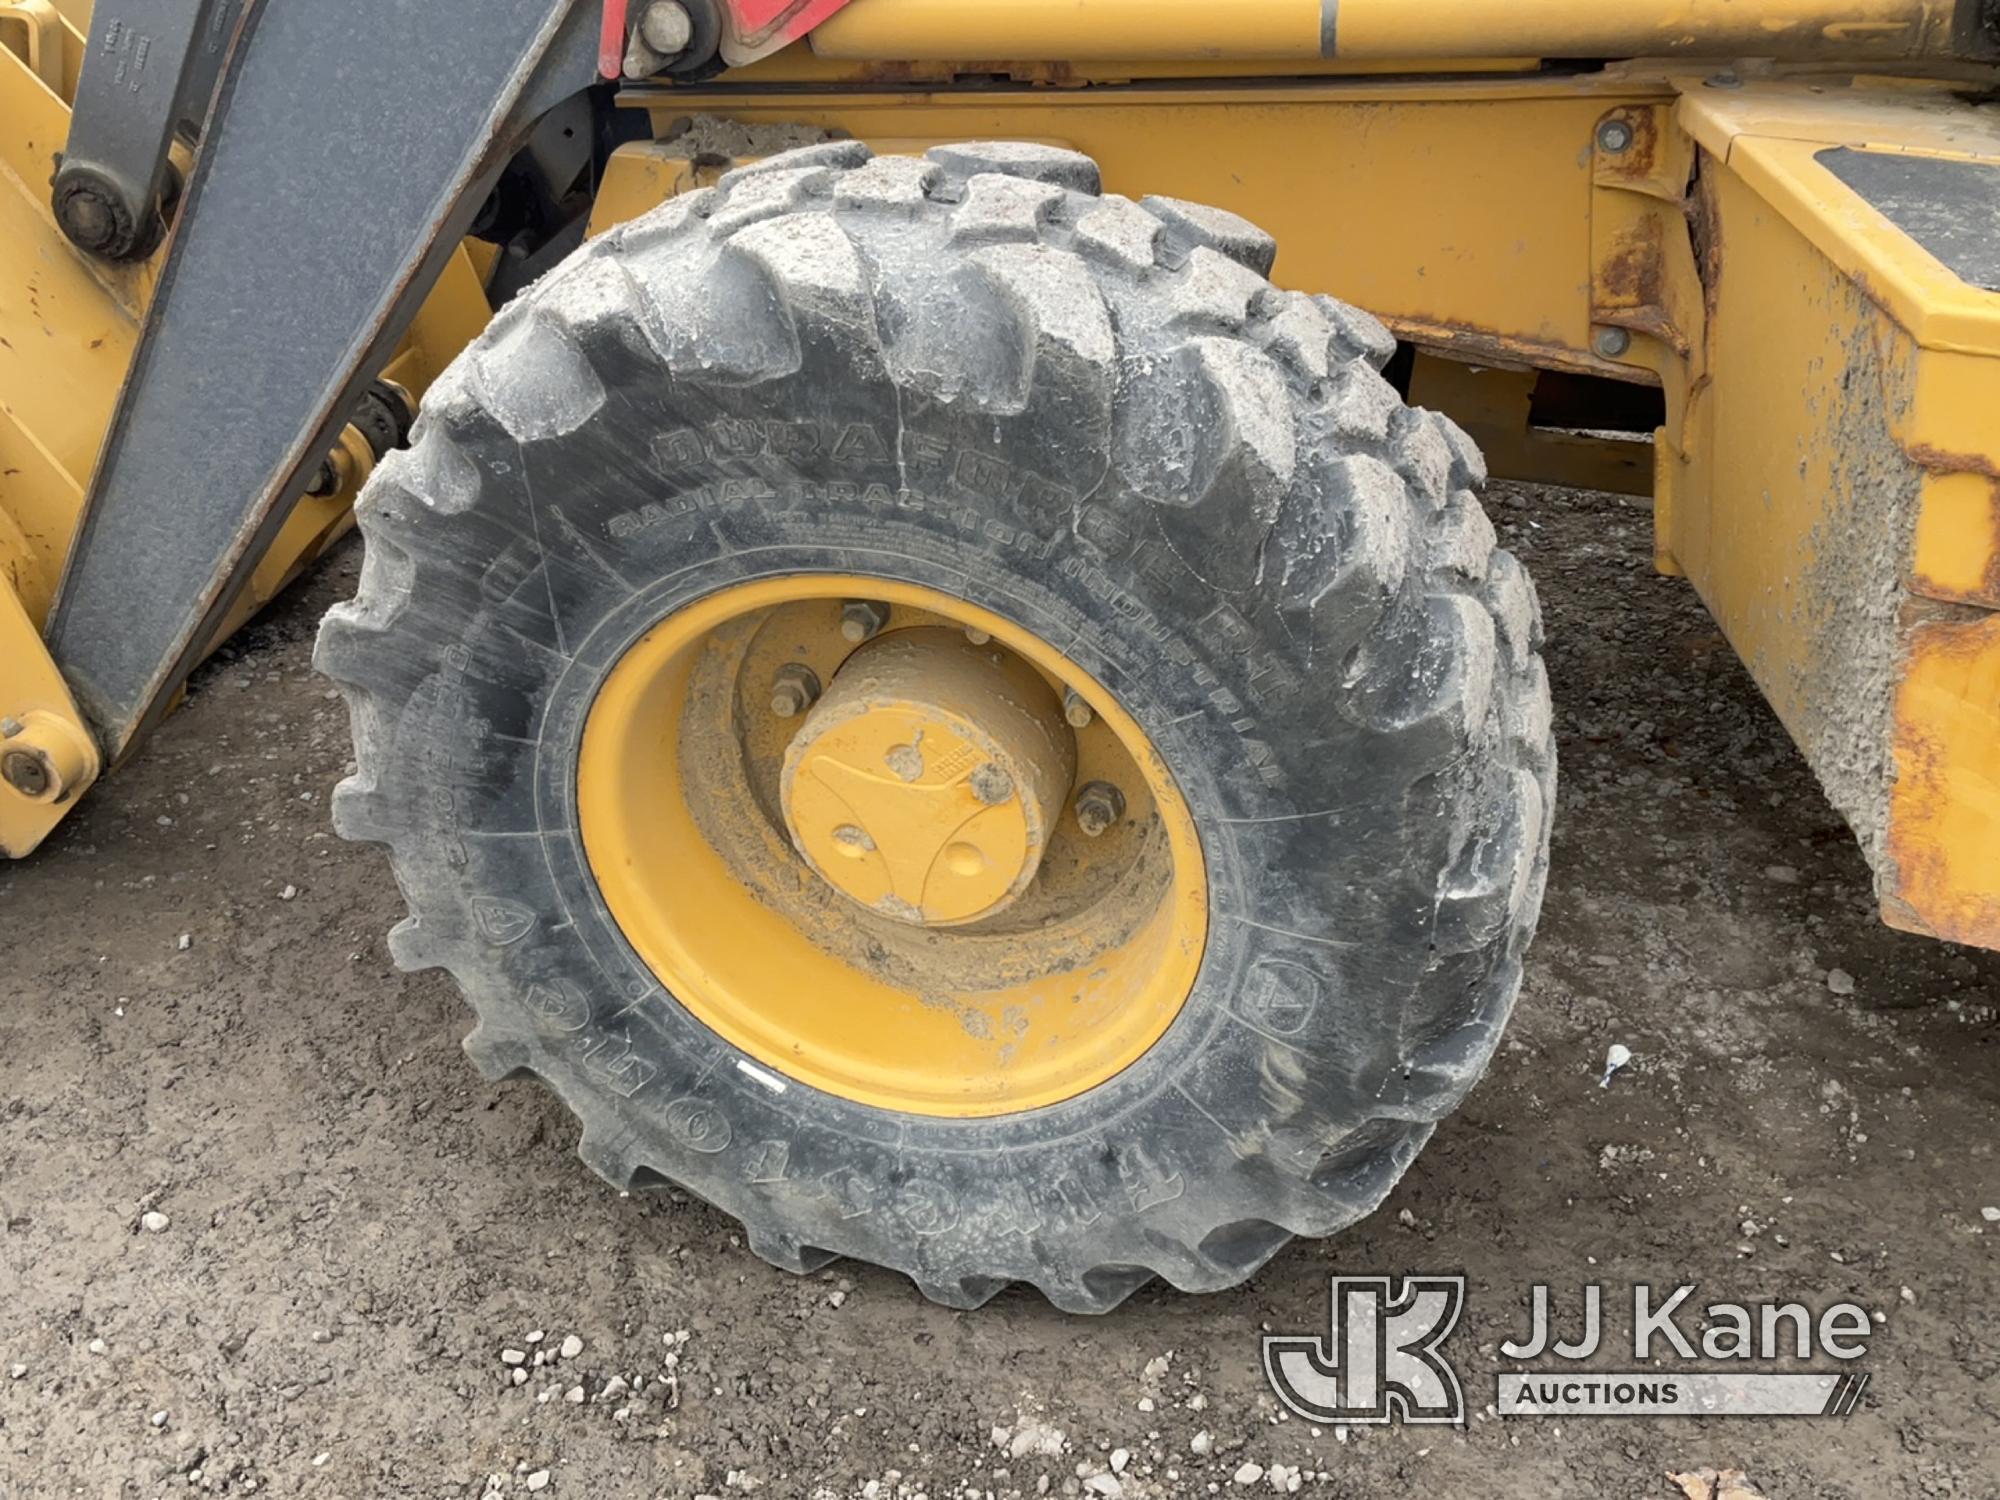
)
(1093, 416)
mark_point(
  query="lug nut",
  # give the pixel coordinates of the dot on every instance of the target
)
(794, 689)
(976, 636)
(26, 771)
(1076, 710)
(1098, 806)
(862, 620)
(992, 785)
(325, 479)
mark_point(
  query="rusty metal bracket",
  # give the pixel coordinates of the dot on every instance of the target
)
(1640, 247)
(1646, 310)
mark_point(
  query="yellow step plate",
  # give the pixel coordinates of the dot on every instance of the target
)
(1834, 492)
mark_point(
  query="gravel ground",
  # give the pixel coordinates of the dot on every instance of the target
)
(265, 1231)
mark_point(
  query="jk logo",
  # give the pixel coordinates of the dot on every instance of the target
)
(1381, 1362)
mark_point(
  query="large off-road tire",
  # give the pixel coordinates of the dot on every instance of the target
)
(1090, 416)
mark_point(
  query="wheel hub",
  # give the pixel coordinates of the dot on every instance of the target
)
(833, 815)
(925, 782)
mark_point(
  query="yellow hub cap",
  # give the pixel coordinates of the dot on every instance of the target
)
(924, 784)
(854, 851)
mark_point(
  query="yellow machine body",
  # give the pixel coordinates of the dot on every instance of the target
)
(1706, 220)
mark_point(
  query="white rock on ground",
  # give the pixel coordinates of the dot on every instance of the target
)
(1249, 1474)
(1617, 1056)
(154, 1222)
(1034, 1439)
(572, 1346)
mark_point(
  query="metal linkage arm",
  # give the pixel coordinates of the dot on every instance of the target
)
(150, 67)
(348, 150)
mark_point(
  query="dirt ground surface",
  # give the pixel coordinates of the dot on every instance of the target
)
(199, 1022)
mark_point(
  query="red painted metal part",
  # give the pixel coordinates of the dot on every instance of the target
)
(611, 40)
(756, 28)
(750, 29)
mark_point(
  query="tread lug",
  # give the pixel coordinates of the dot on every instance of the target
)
(1003, 208)
(967, 1294)
(1213, 293)
(1300, 335)
(887, 182)
(1358, 334)
(1052, 164)
(1362, 404)
(1463, 540)
(1217, 228)
(1423, 455)
(840, 155)
(534, 378)
(765, 195)
(1118, 230)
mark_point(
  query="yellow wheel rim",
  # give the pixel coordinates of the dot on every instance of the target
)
(943, 936)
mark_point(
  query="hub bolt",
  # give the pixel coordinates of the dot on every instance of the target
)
(1098, 806)
(26, 771)
(1076, 710)
(794, 689)
(862, 620)
(992, 785)
(667, 27)
(663, 33)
